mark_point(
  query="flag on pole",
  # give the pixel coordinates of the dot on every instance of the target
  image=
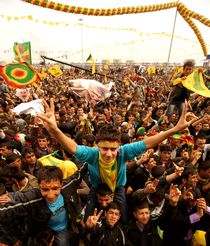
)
(90, 58)
(194, 82)
(22, 52)
(19, 75)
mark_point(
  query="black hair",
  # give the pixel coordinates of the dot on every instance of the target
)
(159, 194)
(201, 135)
(103, 190)
(62, 113)
(11, 158)
(189, 63)
(113, 205)
(42, 136)
(165, 147)
(125, 138)
(204, 165)
(7, 144)
(90, 138)
(188, 171)
(109, 133)
(2, 189)
(12, 171)
(157, 171)
(26, 150)
(140, 204)
(49, 173)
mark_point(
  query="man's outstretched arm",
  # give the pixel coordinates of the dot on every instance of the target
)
(50, 124)
(182, 124)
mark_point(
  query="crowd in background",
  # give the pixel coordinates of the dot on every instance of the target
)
(139, 108)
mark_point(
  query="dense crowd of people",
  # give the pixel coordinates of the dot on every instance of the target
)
(129, 169)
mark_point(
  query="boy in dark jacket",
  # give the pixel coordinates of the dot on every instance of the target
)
(108, 231)
(143, 231)
(45, 209)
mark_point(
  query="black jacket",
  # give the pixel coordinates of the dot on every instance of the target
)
(105, 236)
(29, 210)
(148, 237)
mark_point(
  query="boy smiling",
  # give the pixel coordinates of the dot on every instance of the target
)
(107, 162)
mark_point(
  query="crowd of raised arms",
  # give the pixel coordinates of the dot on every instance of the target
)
(129, 169)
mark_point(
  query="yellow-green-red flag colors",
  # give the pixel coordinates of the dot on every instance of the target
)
(22, 52)
(195, 83)
(19, 75)
(188, 139)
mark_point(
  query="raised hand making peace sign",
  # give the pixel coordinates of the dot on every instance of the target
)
(92, 220)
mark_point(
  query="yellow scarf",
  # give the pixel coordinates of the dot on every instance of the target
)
(108, 172)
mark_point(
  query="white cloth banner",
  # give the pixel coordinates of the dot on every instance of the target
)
(91, 89)
(33, 107)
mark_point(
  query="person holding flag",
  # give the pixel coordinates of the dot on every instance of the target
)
(179, 93)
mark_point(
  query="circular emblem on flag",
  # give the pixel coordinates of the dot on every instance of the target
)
(19, 75)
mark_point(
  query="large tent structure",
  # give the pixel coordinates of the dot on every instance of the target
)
(151, 31)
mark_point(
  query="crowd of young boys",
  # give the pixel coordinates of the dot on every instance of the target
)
(138, 164)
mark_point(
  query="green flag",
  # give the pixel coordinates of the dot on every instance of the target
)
(90, 58)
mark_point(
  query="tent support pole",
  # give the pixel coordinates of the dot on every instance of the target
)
(172, 35)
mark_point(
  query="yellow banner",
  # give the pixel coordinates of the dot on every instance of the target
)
(67, 167)
(195, 83)
(55, 71)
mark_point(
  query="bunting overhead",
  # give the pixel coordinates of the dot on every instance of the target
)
(182, 9)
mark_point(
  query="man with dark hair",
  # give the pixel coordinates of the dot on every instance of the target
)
(20, 180)
(42, 146)
(6, 149)
(204, 180)
(30, 163)
(165, 156)
(179, 93)
(200, 142)
(109, 231)
(143, 231)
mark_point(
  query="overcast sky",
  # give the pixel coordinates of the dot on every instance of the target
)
(149, 40)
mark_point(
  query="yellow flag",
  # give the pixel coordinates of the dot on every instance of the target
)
(195, 83)
(151, 70)
(199, 238)
(43, 74)
(90, 58)
(105, 79)
(67, 167)
(55, 71)
(175, 78)
(93, 66)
